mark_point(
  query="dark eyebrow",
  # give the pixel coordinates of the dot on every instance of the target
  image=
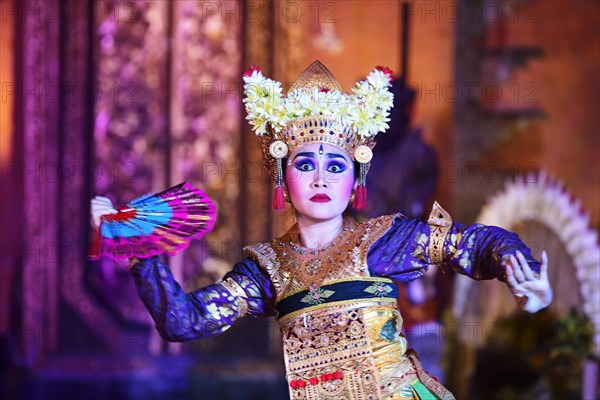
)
(304, 154)
(312, 155)
(335, 155)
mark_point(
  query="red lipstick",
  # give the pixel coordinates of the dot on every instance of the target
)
(320, 198)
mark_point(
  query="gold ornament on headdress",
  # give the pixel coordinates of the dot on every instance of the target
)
(315, 109)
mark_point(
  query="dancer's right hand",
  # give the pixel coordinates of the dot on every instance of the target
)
(100, 206)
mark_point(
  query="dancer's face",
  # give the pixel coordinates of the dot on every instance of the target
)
(319, 178)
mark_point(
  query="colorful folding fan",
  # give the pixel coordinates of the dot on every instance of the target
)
(154, 224)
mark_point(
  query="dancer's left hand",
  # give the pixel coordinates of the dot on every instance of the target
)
(532, 292)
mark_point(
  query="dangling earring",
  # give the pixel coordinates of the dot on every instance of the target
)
(278, 150)
(360, 200)
(363, 155)
(279, 193)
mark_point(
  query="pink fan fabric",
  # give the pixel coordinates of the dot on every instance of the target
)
(154, 224)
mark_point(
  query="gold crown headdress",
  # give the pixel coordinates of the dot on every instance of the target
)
(316, 109)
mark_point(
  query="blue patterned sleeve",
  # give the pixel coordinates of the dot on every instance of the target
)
(481, 251)
(401, 253)
(206, 312)
(478, 251)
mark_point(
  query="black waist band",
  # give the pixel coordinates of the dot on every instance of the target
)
(340, 291)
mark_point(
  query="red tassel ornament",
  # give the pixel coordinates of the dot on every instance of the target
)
(360, 198)
(278, 200)
(278, 150)
(363, 196)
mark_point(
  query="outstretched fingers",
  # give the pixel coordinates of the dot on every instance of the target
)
(527, 272)
(100, 200)
(544, 266)
(510, 276)
(100, 206)
(532, 291)
(517, 269)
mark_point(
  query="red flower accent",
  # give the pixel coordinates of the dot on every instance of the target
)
(323, 377)
(293, 384)
(250, 70)
(338, 375)
(330, 377)
(313, 381)
(301, 383)
(324, 89)
(386, 71)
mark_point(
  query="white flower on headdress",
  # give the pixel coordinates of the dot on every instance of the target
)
(293, 108)
(254, 76)
(378, 79)
(366, 110)
(263, 101)
(259, 124)
(345, 113)
(333, 100)
(379, 124)
(386, 100)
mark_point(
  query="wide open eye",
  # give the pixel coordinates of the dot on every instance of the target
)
(304, 165)
(336, 167)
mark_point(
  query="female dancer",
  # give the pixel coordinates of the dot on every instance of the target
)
(330, 281)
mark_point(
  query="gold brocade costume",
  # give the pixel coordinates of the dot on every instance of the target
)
(341, 326)
(351, 348)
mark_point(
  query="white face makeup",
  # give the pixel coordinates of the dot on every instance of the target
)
(319, 178)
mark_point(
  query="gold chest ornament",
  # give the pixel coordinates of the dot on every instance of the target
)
(338, 347)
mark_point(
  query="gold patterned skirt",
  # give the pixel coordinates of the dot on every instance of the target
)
(353, 351)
